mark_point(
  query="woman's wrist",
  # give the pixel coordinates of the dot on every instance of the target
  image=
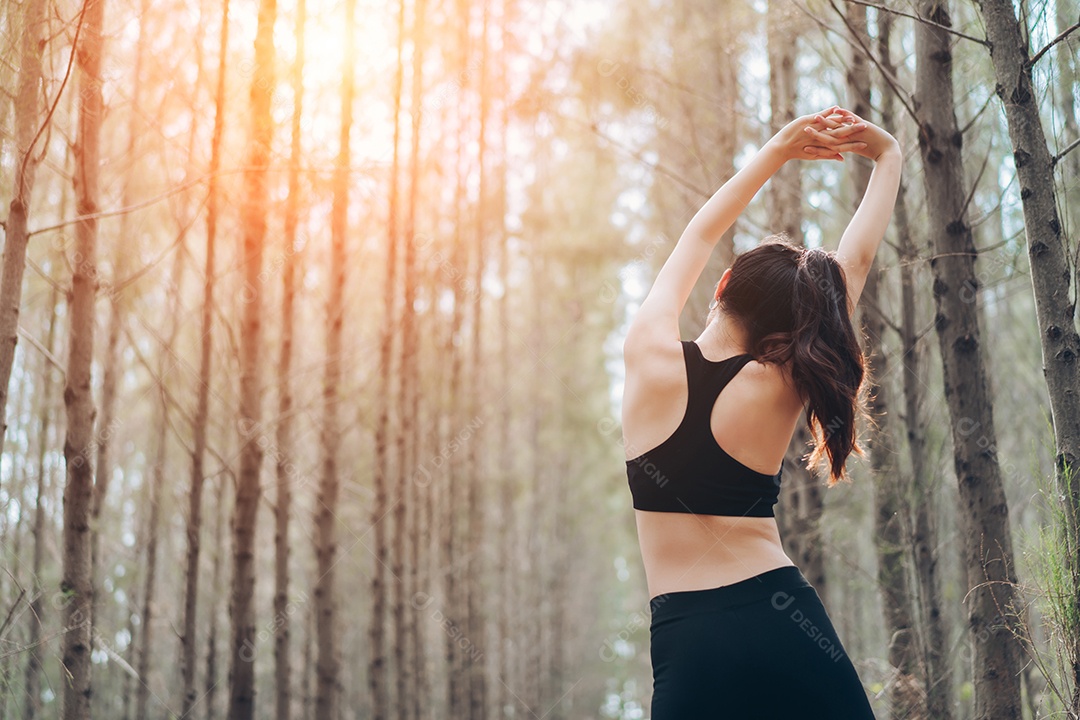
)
(775, 152)
(891, 150)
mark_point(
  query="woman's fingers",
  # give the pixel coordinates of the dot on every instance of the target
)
(848, 146)
(833, 139)
(822, 153)
(843, 131)
(829, 121)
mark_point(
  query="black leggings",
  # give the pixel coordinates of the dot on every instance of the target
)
(758, 649)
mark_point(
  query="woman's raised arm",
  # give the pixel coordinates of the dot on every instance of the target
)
(658, 317)
(864, 233)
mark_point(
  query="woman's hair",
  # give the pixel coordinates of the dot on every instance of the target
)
(793, 303)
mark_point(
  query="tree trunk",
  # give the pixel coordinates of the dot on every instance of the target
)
(984, 510)
(37, 608)
(111, 361)
(476, 623)
(801, 503)
(212, 680)
(1067, 68)
(146, 642)
(78, 395)
(189, 636)
(283, 455)
(1051, 271)
(726, 62)
(146, 617)
(536, 537)
(406, 615)
(455, 687)
(889, 508)
(327, 696)
(505, 532)
(27, 117)
(919, 489)
(248, 487)
(378, 682)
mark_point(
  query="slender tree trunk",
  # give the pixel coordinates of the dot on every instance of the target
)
(284, 452)
(476, 499)
(111, 361)
(785, 187)
(1066, 71)
(920, 489)
(27, 118)
(1052, 272)
(406, 614)
(78, 395)
(308, 676)
(212, 680)
(378, 682)
(725, 47)
(248, 486)
(455, 687)
(801, 504)
(327, 695)
(157, 489)
(504, 533)
(37, 608)
(889, 507)
(536, 538)
(146, 616)
(189, 636)
(984, 510)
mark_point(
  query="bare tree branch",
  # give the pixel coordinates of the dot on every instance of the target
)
(119, 285)
(946, 28)
(1057, 158)
(986, 104)
(56, 101)
(43, 350)
(1064, 34)
(902, 95)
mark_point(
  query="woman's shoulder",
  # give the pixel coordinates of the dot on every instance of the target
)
(769, 380)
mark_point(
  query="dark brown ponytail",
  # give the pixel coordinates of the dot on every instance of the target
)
(793, 304)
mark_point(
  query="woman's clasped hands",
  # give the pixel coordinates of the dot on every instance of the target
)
(828, 134)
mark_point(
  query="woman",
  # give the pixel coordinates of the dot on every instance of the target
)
(737, 631)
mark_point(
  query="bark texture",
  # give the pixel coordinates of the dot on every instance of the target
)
(78, 394)
(248, 487)
(327, 695)
(919, 487)
(189, 632)
(27, 118)
(1052, 269)
(984, 513)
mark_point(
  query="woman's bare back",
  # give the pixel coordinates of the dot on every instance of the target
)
(753, 420)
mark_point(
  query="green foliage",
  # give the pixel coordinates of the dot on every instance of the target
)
(1052, 555)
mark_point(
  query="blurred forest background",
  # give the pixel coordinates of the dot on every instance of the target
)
(310, 346)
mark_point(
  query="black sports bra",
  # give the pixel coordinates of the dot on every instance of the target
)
(689, 472)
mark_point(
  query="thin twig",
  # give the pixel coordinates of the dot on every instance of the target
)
(963, 131)
(119, 285)
(901, 94)
(946, 28)
(654, 165)
(1064, 34)
(978, 178)
(42, 349)
(56, 101)
(14, 606)
(173, 191)
(1072, 146)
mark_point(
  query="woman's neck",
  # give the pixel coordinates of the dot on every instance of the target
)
(723, 337)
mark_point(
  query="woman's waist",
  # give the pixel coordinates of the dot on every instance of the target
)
(674, 562)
